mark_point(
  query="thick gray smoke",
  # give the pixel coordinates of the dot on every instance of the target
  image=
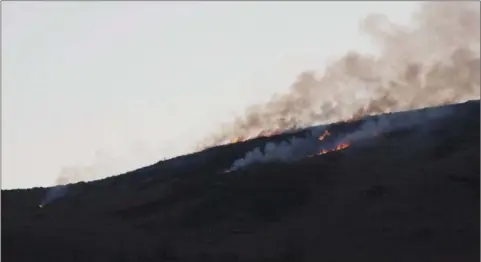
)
(299, 148)
(434, 61)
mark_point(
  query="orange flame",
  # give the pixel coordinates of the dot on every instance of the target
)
(340, 146)
(268, 133)
(326, 133)
(236, 140)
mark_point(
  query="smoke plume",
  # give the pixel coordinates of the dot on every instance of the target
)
(293, 150)
(299, 148)
(54, 193)
(434, 61)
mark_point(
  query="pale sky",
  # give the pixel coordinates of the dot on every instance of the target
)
(114, 86)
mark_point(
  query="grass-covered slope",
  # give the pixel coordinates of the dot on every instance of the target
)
(409, 194)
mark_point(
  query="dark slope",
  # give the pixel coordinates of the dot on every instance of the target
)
(409, 195)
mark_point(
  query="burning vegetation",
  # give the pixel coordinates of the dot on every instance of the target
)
(339, 146)
(326, 133)
(432, 61)
(295, 149)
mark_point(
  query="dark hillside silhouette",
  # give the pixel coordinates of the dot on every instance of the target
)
(410, 194)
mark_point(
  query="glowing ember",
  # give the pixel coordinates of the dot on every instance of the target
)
(337, 148)
(340, 146)
(326, 133)
(235, 140)
(268, 133)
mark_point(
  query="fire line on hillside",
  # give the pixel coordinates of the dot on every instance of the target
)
(268, 155)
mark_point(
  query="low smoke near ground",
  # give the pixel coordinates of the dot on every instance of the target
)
(413, 194)
(54, 193)
(299, 148)
(434, 61)
(293, 150)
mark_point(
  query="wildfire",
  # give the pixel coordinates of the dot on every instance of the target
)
(235, 140)
(326, 133)
(340, 146)
(268, 133)
(264, 133)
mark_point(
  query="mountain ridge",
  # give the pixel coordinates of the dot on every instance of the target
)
(410, 193)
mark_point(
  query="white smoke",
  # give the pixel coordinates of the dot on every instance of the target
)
(54, 193)
(293, 150)
(435, 60)
(299, 148)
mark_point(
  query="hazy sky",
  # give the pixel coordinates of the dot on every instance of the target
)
(113, 86)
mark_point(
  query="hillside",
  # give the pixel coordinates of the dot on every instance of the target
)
(409, 192)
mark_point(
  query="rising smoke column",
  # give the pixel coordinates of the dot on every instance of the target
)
(434, 61)
(58, 191)
(54, 193)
